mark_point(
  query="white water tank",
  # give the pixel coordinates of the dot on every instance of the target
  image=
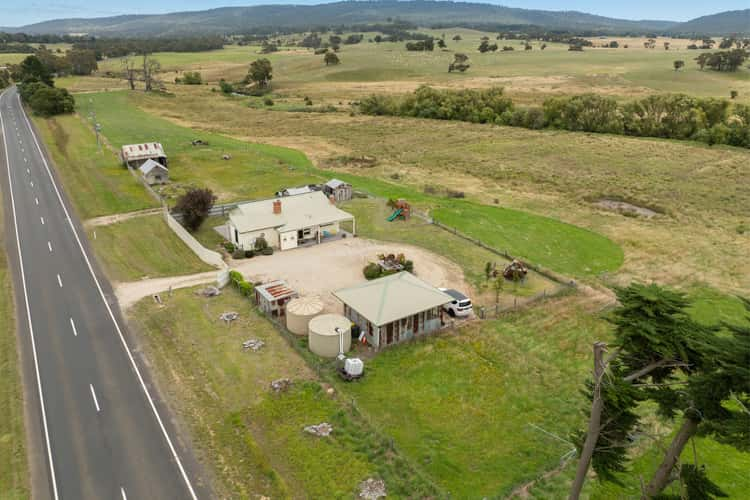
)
(300, 311)
(326, 331)
(354, 367)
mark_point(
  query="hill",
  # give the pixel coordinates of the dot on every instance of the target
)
(723, 23)
(423, 12)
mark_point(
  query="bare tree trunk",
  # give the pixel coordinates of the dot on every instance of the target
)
(662, 476)
(594, 423)
(146, 73)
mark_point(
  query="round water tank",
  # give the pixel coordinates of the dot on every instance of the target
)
(300, 311)
(325, 333)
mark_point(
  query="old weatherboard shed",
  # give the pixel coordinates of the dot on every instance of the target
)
(394, 308)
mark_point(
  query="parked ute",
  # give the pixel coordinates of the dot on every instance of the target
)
(460, 306)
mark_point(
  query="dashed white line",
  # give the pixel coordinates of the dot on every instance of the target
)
(36, 200)
(122, 492)
(93, 395)
(28, 171)
(73, 327)
(59, 280)
(32, 183)
(42, 219)
(42, 406)
(49, 245)
(124, 343)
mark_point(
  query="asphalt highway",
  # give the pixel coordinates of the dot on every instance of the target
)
(100, 429)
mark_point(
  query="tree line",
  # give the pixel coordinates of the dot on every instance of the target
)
(36, 86)
(120, 47)
(669, 116)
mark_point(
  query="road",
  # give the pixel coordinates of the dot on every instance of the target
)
(98, 428)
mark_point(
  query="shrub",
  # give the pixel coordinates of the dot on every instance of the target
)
(194, 206)
(192, 78)
(409, 266)
(372, 271)
(235, 276)
(238, 254)
(49, 101)
(268, 101)
(225, 86)
(249, 254)
(260, 244)
(267, 251)
(245, 288)
(229, 246)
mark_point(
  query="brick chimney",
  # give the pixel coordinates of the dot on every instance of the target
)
(277, 206)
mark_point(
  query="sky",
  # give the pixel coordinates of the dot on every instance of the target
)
(22, 12)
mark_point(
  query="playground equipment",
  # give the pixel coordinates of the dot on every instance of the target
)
(401, 210)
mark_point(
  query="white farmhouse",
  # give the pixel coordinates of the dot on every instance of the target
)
(287, 222)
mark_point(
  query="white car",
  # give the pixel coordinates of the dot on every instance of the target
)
(460, 306)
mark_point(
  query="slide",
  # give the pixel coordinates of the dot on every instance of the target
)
(395, 214)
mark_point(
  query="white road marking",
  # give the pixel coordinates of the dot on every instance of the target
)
(36, 200)
(59, 280)
(124, 343)
(73, 326)
(32, 183)
(93, 395)
(122, 492)
(49, 245)
(28, 171)
(42, 219)
(43, 410)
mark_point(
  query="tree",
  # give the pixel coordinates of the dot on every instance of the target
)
(260, 73)
(441, 43)
(81, 61)
(457, 38)
(331, 58)
(226, 87)
(268, 47)
(678, 65)
(32, 69)
(194, 206)
(460, 63)
(130, 71)
(49, 101)
(733, 94)
(485, 46)
(690, 372)
(150, 67)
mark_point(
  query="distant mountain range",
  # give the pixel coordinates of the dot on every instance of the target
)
(422, 12)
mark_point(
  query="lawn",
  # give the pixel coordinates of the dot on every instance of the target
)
(143, 247)
(371, 214)
(14, 474)
(252, 438)
(95, 180)
(472, 408)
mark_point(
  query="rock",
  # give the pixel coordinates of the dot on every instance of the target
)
(210, 291)
(228, 317)
(253, 344)
(372, 489)
(281, 384)
(321, 430)
(330, 391)
(226, 157)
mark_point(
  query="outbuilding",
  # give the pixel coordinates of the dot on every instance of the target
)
(154, 172)
(271, 298)
(287, 222)
(340, 190)
(394, 308)
(134, 155)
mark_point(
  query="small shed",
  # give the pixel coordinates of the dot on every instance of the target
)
(340, 190)
(327, 333)
(154, 172)
(133, 155)
(271, 298)
(300, 311)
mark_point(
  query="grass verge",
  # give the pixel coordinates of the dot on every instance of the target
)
(143, 247)
(95, 180)
(14, 474)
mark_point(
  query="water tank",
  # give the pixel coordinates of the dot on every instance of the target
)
(300, 311)
(325, 333)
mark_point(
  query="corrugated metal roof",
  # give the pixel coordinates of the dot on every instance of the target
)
(275, 290)
(297, 212)
(393, 297)
(149, 165)
(132, 152)
(334, 183)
